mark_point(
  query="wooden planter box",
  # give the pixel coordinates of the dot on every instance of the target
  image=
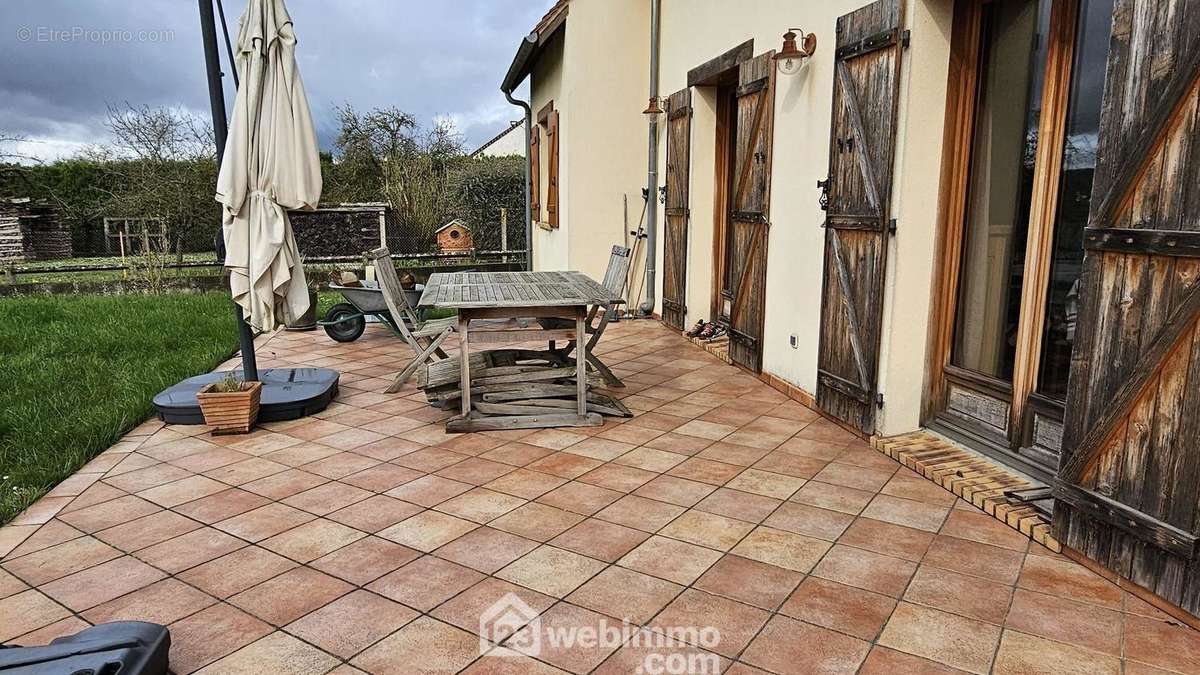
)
(230, 412)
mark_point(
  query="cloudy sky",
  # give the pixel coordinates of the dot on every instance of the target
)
(64, 61)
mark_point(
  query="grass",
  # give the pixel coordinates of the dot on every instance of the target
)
(76, 372)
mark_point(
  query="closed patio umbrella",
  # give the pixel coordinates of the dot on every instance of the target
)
(270, 165)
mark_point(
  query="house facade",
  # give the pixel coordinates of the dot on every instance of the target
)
(974, 216)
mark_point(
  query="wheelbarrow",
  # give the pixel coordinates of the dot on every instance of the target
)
(346, 321)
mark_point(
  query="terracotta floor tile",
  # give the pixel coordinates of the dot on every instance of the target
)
(600, 449)
(146, 478)
(188, 550)
(908, 485)
(147, 530)
(52, 533)
(425, 582)
(809, 520)
(27, 611)
(961, 594)
(978, 526)
(963, 643)
(894, 540)
(289, 596)
(969, 557)
(480, 505)
(351, 623)
(1167, 645)
(162, 602)
(340, 465)
(1067, 579)
(536, 521)
(365, 560)
(580, 498)
(473, 444)
(504, 661)
(517, 453)
(833, 497)
(640, 513)
(705, 471)
(749, 581)
(212, 459)
(617, 477)
(301, 454)
(563, 619)
(235, 572)
(210, 634)
(857, 477)
(374, 513)
(707, 529)
(736, 623)
(807, 447)
(486, 549)
(1066, 621)
(264, 522)
(673, 490)
(787, 646)
(284, 484)
(427, 530)
(884, 661)
(564, 465)
(629, 433)
(10, 585)
(60, 560)
(525, 484)
(625, 594)
(731, 453)
(47, 634)
(865, 569)
(475, 470)
(275, 653)
(98, 493)
(678, 443)
(349, 439)
(327, 498)
(109, 513)
(1020, 653)
(791, 551)
(311, 540)
(839, 607)
(649, 459)
(766, 483)
(222, 505)
(648, 648)
(429, 490)
(550, 570)
(388, 449)
(95, 585)
(668, 559)
(423, 646)
(466, 609)
(898, 511)
(259, 444)
(554, 439)
(600, 539)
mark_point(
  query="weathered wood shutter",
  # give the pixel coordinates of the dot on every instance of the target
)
(535, 172)
(552, 171)
(750, 209)
(679, 134)
(1129, 481)
(858, 213)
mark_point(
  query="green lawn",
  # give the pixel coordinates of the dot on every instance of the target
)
(76, 372)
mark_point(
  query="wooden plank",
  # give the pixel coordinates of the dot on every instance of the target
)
(711, 72)
(1165, 536)
(1149, 241)
(501, 423)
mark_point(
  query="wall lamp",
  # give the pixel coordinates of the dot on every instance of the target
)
(791, 56)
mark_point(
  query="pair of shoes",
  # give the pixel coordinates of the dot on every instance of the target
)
(709, 330)
(695, 330)
(717, 332)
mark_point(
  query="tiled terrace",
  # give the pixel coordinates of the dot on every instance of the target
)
(369, 539)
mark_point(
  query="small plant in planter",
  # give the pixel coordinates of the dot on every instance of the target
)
(230, 406)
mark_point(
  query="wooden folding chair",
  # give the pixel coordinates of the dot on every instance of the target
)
(424, 337)
(614, 280)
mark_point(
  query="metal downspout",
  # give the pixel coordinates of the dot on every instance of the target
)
(530, 41)
(647, 306)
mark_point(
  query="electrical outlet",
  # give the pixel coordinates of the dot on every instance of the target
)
(794, 341)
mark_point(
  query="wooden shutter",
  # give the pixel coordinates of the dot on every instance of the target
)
(862, 144)
(1129, 481)
(552, 171)
(749, 209)
(535, 172)
(679, 128)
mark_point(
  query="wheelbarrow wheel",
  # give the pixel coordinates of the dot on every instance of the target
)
(347, 328)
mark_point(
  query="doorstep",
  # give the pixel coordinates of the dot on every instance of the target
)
(977, 479)
(718, 347)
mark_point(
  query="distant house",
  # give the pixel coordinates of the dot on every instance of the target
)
(454, 236)
(507, 143)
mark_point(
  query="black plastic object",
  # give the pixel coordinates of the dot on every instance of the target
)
(125, 647)
(287, 394)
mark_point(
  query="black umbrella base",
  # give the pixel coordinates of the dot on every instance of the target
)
(287, 394)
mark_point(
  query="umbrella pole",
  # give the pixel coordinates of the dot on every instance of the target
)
(216, 101)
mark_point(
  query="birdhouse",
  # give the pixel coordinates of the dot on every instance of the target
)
(454, 236)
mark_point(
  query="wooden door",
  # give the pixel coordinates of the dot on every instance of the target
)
(679, 134)
(749, 212)
(1129, 481)
(858, 214)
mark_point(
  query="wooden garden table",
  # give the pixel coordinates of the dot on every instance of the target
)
(515, 295)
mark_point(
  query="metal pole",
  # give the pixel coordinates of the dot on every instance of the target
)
(216, 101)
(528, 207)
(647, 306)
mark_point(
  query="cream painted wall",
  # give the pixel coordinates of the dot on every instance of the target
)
(604, 139)
(550, 246)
